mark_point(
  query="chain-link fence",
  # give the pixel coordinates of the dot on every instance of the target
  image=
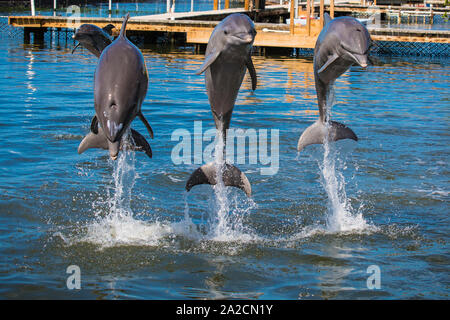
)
(397, 48)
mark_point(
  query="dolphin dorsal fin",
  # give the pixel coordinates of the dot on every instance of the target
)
(209, 59)
(328, 63)
(326, 19)
(123, 30)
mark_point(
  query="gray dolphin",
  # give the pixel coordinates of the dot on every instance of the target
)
(93, 38)
(120, 86)
(227, 57)
(343, 42)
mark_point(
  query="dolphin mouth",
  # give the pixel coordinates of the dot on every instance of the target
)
(361, 60)
(244, 38)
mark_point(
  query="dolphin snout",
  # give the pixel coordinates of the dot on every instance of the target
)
(245, 37)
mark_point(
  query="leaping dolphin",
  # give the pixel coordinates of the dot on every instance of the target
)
(343, 42)
(228, 55)
(93, 38)
(120, 86)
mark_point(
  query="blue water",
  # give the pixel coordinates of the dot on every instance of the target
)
(309, 232)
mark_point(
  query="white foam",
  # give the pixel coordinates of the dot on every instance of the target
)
(341, 216)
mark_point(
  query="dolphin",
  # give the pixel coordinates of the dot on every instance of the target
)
(343, 42)
(120, 86)
(93, 38)
(227, 57)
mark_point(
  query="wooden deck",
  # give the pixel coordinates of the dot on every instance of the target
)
(198, 27)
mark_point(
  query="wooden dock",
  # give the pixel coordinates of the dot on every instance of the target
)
(197, 26)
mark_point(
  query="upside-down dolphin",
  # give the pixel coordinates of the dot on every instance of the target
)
(120, 86)
(343, 42)
(227, 57)
(93, 38)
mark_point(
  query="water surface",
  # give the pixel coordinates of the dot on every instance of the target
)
(310, 231)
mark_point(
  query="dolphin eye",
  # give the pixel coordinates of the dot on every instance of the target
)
(225, 31)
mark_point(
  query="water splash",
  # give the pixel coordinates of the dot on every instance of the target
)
(341, 216)
(225, 220)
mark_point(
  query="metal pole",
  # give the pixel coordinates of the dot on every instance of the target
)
(110, 7)
(33, 10)
(168, 6)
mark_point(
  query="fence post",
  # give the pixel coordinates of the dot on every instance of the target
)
(33, 10)
(227, 4)
(216, 4)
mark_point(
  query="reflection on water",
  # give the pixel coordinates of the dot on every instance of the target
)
(55, 204)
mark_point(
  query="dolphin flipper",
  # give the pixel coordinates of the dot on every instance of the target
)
(209, 59)
(75, 48)
(146, 124)
(316, 134)
(252, 71)
(140, 144)
(232, 177)
(330, 60)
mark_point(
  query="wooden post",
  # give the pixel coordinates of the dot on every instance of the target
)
(246, 5)
(227, 4)
(291, 16)
(374, 2)
(308, 16)
(332, 9)
(216, 4)
(431, 14)
(322, 5)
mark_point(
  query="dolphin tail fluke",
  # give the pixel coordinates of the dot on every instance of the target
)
(93, 140)
(231, 176)
(316, 134)
(98, 140)
(140, 144)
